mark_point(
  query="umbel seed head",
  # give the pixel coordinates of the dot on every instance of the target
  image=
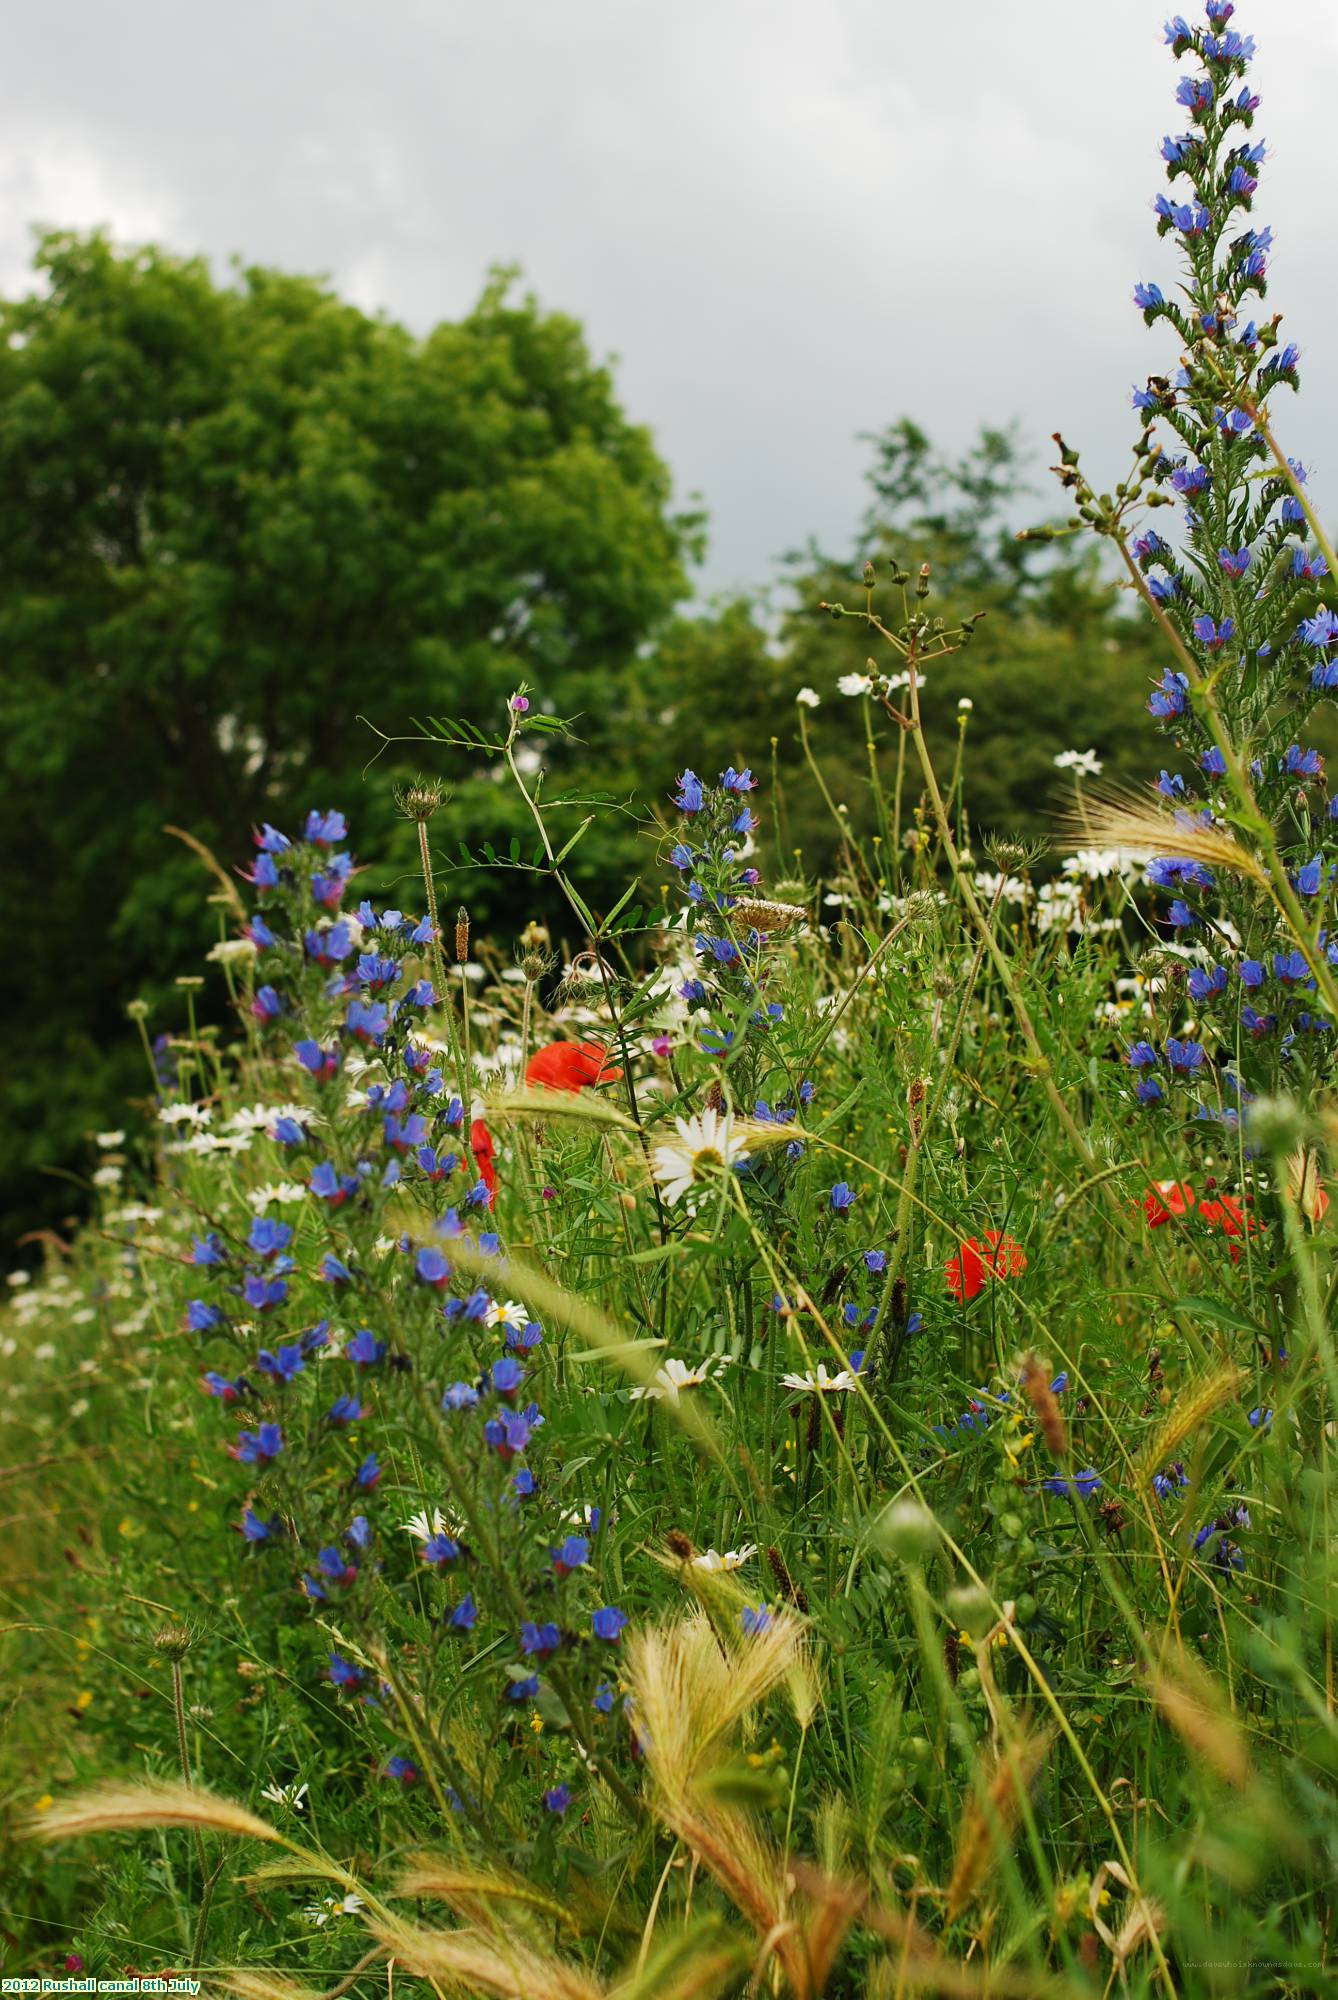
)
(174, 1640)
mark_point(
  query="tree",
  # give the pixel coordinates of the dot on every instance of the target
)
(1060, 660)
(235, 518)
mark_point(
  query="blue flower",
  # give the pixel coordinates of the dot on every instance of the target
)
(369, 1472)
(258, 1447)
(1212, 635)
(431, 1267)
(460, 1396)
(255, 1530)
(1148, 1091)
(841, 1199)
(1185, 1057)
(1234, 562)
(608, 1623)
(754, 1618)
(688, 798)
(365, 1350)
(540, 1640)
(334, 1271)
(221, 1386)
(344, 1410)
(604, 1697)
(201, 1317)
(267, 1238)
(524, 1690)
(283, 1365)
(1166, 1484)
(573, 1555)
(1309, 879)
(1081, 1487)
(1291, 967)
(1303, 763)
(343, 1672)
(464, 1615)
(439, 1550)
(557, 1798)
(209, 1249)
(1149, 298)
(1141, 1055)
(1205, 983)
(738, 781)
(1168, 697)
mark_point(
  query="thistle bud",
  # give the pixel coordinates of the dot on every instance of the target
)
(173, 1640)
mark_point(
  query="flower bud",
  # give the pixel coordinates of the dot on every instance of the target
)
(905, 1529)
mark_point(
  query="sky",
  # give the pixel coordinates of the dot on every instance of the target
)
(787, 223)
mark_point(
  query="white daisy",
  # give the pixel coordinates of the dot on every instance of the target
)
(285, 1795)
(185, 1114)
(704, 1149)
(809, 698)
(669, 1381)
(512, 1315)
(731, 1559)
(320, 1914)
(280, 1191)
(853, 684)
(1082, 763)
(423, 1526)
(230, 951)
(821, 1384)
(109, 1140)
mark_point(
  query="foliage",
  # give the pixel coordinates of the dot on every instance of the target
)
(235, 517)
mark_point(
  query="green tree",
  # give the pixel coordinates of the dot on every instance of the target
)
(237, 518)
(1060, 660)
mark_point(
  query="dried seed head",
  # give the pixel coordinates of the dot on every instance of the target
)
(785, 1583)
(461, 935)
(768, 917)
(1050, 1418)
(679, 1544)
(420, 800)
(173, 1640)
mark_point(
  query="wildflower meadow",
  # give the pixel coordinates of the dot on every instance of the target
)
(769, 1433)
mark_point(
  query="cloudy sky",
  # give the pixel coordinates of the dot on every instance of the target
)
(790, 220)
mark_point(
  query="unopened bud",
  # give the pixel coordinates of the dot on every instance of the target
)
(174, 1640)
(906, 1529)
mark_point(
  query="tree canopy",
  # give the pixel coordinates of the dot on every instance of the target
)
(237, 516)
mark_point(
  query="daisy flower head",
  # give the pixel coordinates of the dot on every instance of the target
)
(821, 1383)
(669, 1382)
(704, 1149)
(715, 1563)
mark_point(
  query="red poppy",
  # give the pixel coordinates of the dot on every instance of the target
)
(1167, 1200)
(570, 1066)
(480, 1145)
(1227, 1215)
(991, 1256)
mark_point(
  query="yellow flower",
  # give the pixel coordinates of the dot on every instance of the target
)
(536, 1722)
(44, 1804)
(83, 1700)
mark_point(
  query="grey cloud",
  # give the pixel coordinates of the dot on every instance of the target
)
(792, 222)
